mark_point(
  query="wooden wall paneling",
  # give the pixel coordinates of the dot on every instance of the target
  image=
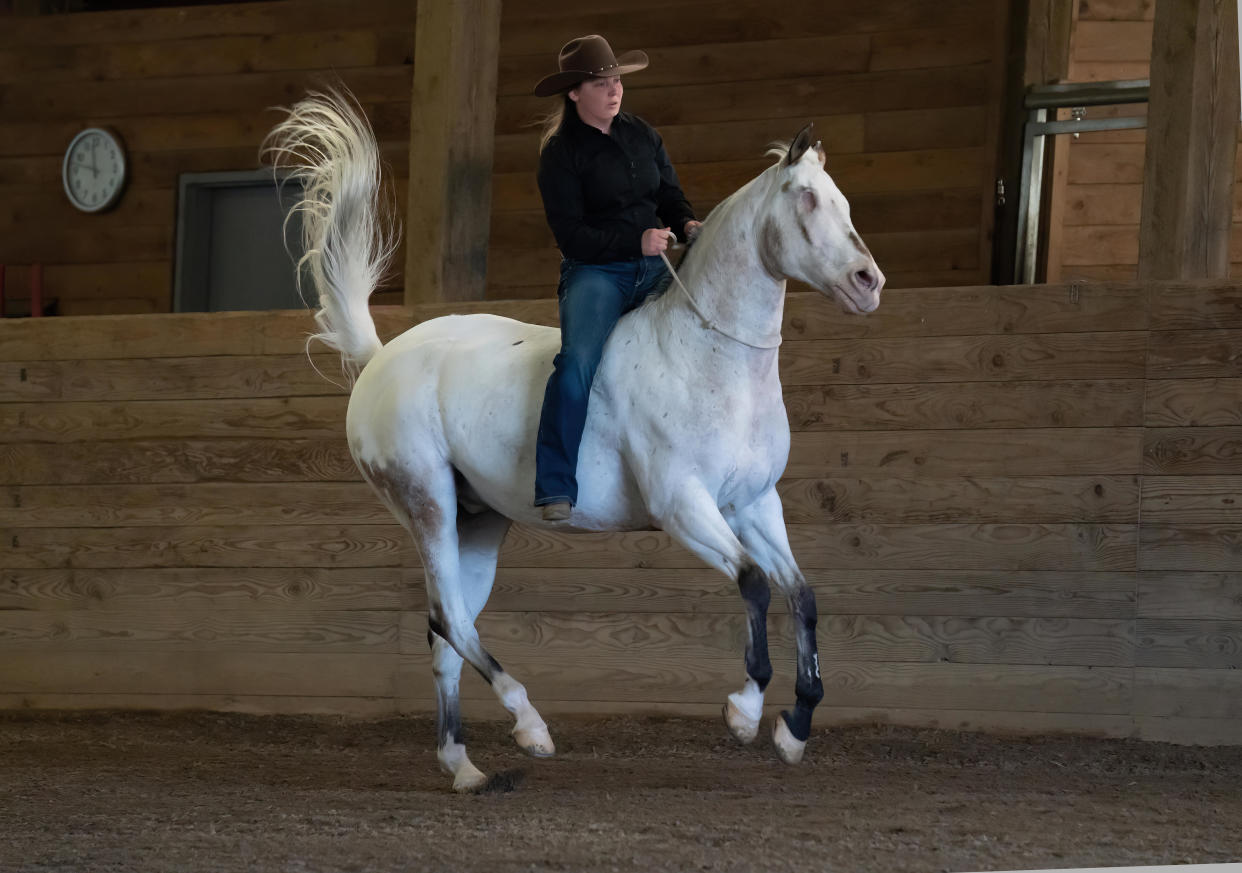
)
(189, 92)
(878, 500)
(1077, 451)
(172, 23)
(1003, 358)
(1193, 402)
(1195, 353)
(254, 704)
(1199, 305)
(303, 504)
(275, 590)
(345, 545)
(213, 631)
(191, 378)
(1192, 451)
(1033, 558)
(1104, 690)
(170, 461)
(1197, 645)
(966, 405)
(1186, 546)
(1181, 594)
(1012, 546)
(531, 32)
(1064, 308)
(1196, 499)
(980, 593)
(189, 334)
(571, 638)
(301, 674)
(276, 418)
(1174, 691)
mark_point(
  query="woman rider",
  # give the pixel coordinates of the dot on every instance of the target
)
(614, 204)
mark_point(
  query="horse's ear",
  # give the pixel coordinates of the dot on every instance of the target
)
(820, 153)
(801, 143)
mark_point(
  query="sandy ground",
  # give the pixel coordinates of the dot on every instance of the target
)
(192, 792)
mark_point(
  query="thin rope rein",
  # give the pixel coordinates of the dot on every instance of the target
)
(711, 325)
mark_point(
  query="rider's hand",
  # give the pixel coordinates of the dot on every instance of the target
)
(656, 240)
(692, 229)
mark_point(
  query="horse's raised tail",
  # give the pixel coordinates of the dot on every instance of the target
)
(349, 239)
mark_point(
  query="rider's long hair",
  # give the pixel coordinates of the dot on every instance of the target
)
(550, 124)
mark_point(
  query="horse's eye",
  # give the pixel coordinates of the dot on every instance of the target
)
(807, 201)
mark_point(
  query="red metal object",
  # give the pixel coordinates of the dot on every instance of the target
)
(36, 290)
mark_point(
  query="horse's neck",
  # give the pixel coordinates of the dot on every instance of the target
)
(726, 277)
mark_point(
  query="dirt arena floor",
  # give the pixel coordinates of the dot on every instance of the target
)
(206, 792)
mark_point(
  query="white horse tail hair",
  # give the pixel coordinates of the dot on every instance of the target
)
(349, 238)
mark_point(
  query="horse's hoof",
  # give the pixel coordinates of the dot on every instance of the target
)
(536, 742)
(788, 747)
(743, 728)
(468, 779)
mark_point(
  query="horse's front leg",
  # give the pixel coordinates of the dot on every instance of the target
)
(694, 520)
(761, 529)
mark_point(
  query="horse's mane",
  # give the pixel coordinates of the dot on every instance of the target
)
(777, 149)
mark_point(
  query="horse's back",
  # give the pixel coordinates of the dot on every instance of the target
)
(444, 376)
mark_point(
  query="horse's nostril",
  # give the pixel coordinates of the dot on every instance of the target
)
(865, 280)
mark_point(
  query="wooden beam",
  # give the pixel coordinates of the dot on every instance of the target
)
(1049, 29)
(1037, 51)
(1192, 138)
(452, 129)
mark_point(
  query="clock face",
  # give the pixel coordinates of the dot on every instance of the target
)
(94, 170)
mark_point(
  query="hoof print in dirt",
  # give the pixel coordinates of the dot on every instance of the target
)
(502, 782)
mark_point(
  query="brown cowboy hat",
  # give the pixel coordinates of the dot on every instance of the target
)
(584, 58)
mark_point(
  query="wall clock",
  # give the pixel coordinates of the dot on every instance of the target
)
(94, 170)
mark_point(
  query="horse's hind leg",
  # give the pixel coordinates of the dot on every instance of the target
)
(479, 539)
(456, 556)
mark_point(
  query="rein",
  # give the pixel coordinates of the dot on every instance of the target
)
(711, 325)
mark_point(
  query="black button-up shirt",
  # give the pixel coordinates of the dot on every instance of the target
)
(601, 191)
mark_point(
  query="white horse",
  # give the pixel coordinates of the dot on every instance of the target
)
(686, 431)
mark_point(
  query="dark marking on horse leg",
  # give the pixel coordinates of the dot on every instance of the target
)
(490, 669)
(809, 687)
(753, 586)
(448, 707)
(493, 669)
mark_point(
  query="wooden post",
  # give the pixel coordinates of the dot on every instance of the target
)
(452, 130)
(1037, 52)
(1192, 139)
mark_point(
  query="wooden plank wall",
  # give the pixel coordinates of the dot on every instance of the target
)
(905, 94)
(1102, 191)
(189, 90)
(1018, 508)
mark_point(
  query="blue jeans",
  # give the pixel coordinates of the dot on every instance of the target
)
(592, 298)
